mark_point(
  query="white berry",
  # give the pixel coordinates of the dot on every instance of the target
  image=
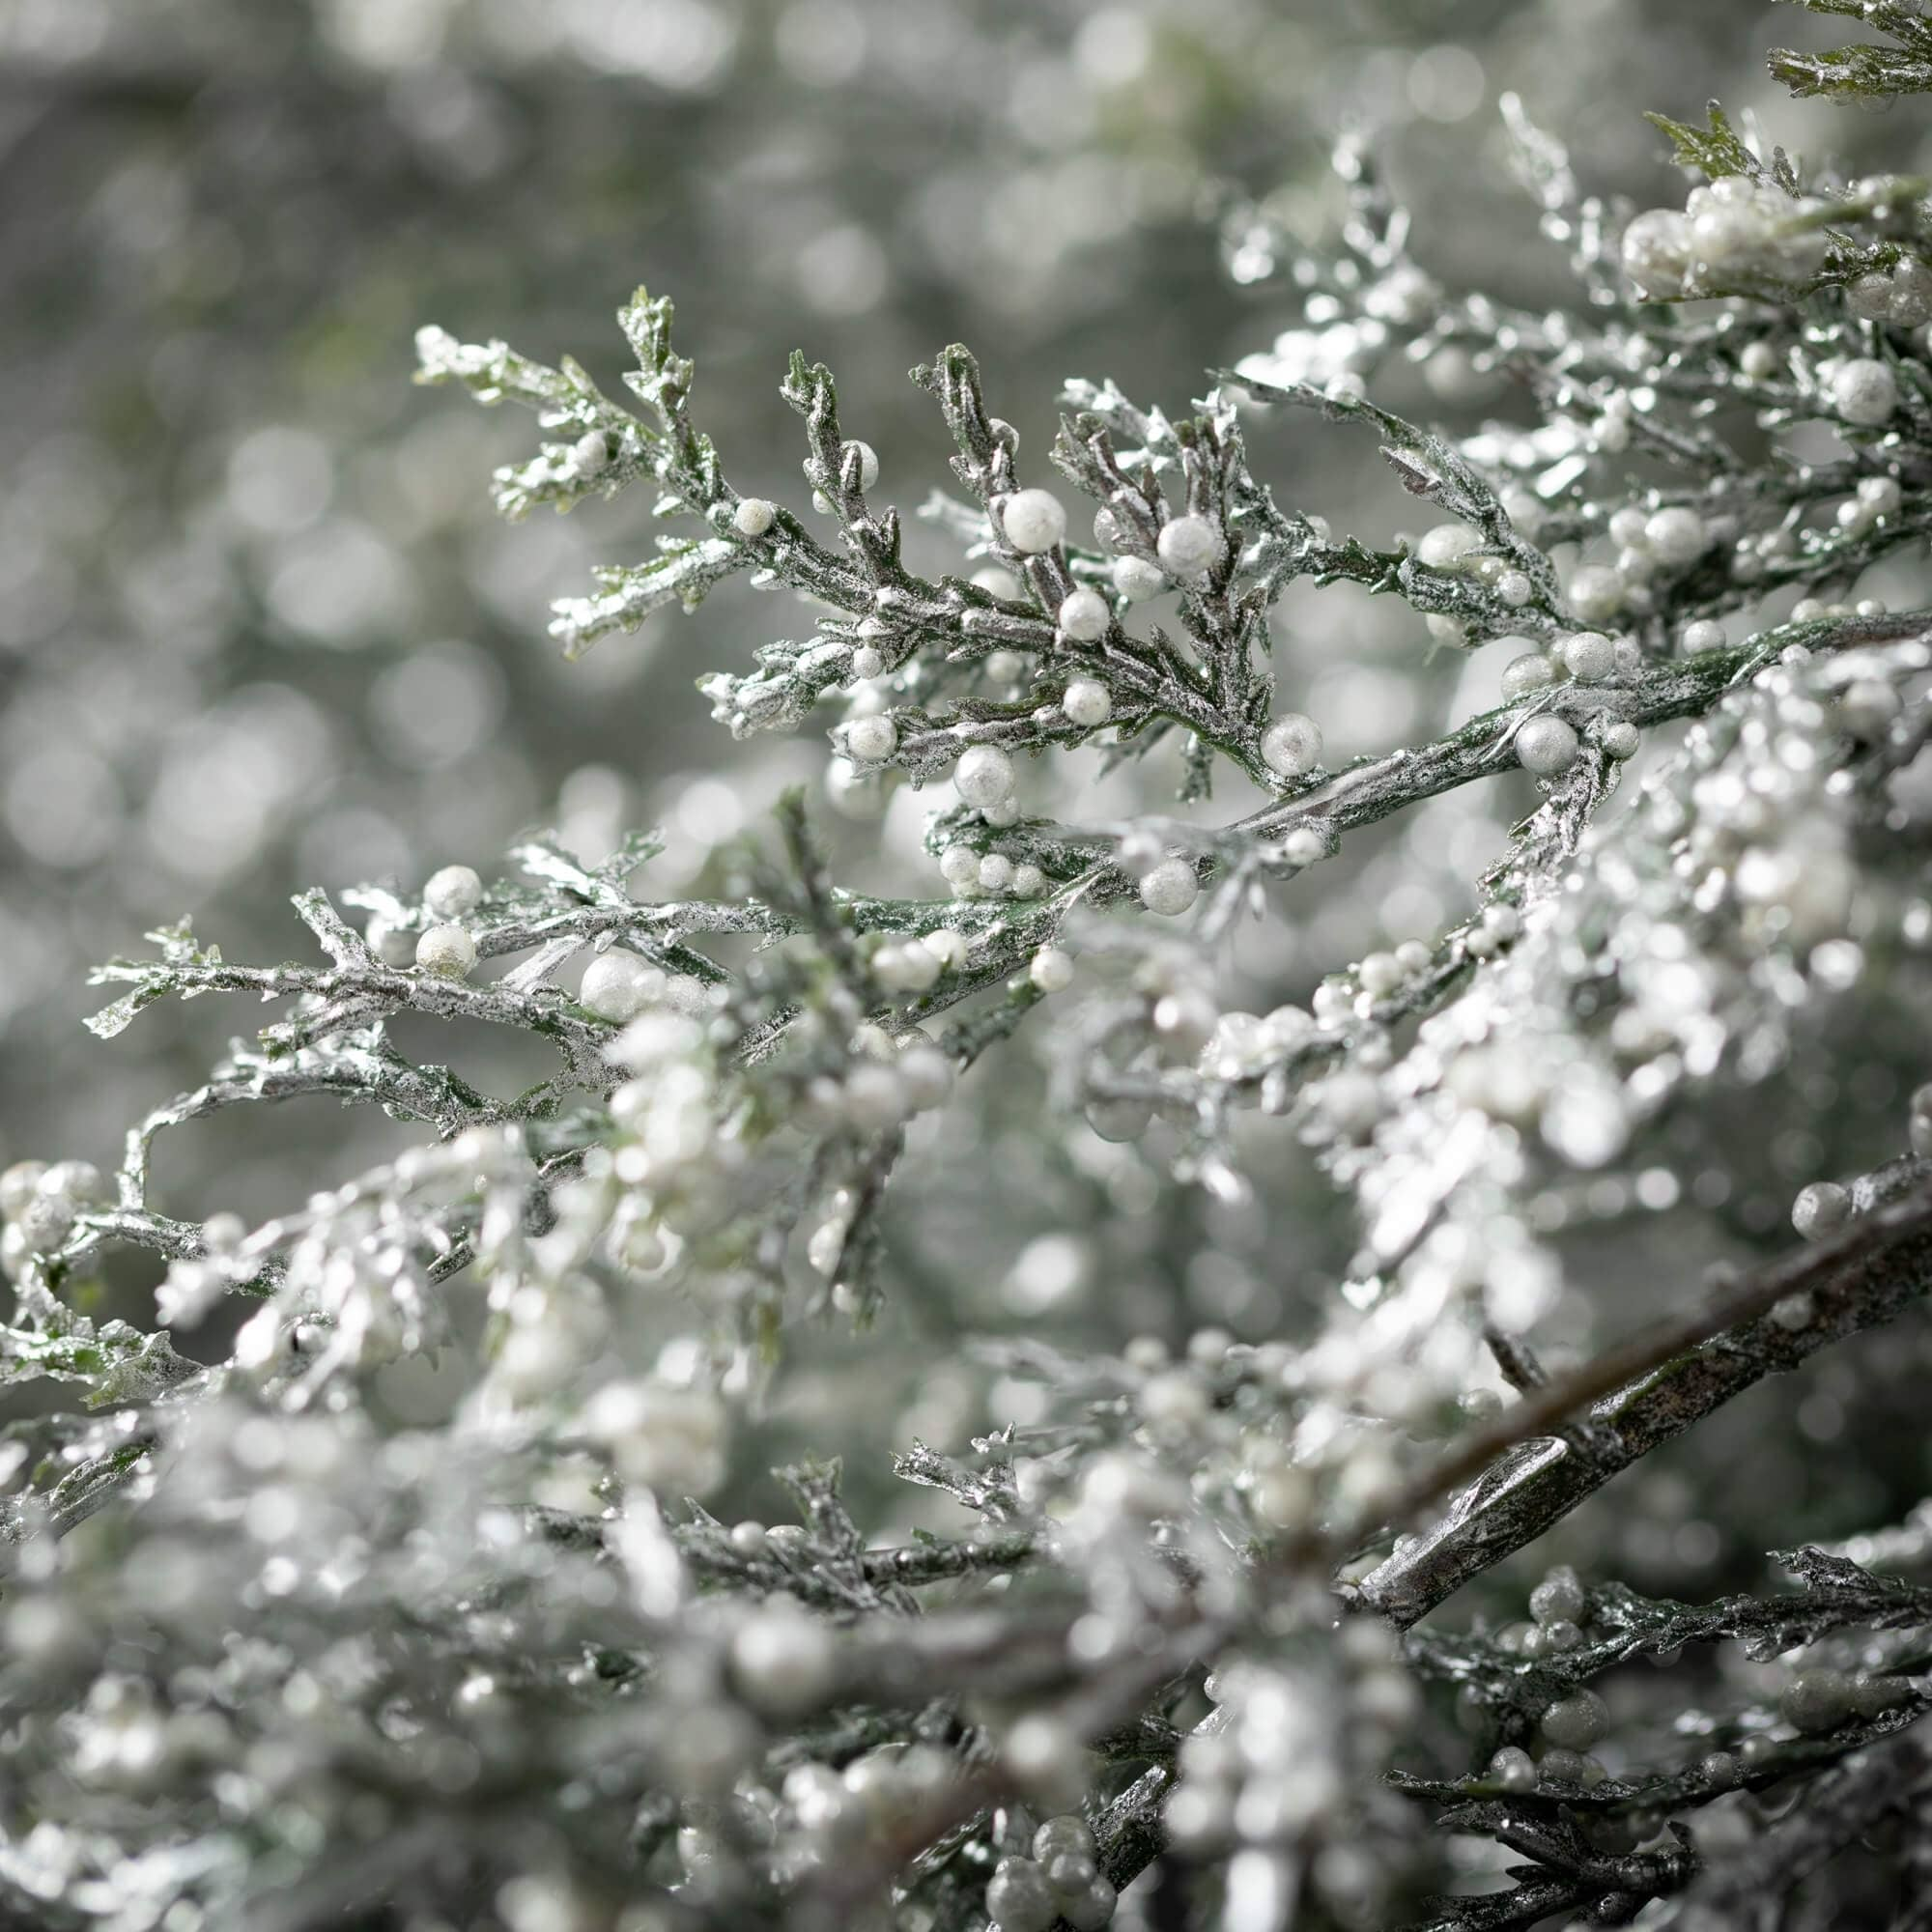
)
(1820, 1208)
(1677, 535)
(617, 985)
(1083, 615)
(1188, 545)
(1864, 392)
(1531, 671)
(1589, 656)
(1087, 703)
(871, 739)
(1291, 744)
(1170, 889)
(454, 891)
(1597, 593)
(1576, 1722)
(1446, 546)
(1034, 520)
(447, 951)
(1051, 969)
(905, 969)
(984, 775)
(1546, 745)
(868, 462)
(754, 517)
(782, 1661)
(1137, 580)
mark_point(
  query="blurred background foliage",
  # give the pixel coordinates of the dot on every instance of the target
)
(259, 630)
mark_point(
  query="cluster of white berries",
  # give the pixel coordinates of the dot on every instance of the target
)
(665, 1439)
(1877, 500)
(1815, 1700)
(1383, 972)
(1548, 745)
(868, 474)
(1060, 1880)
(42, 1201)
(1458, 550)
(1272, 1767)
(618, 985)
(888, 1081)
(1168, 884)
(447, 947)
(590, 454)
(1901, 295)
(1730, 231)
(1034, 522)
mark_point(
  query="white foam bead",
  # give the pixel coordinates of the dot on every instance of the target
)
(617, 985)
(1137, 580)
(1188, 545)
(1677, 535)
(1083, 615)
(1546, 745)
(1034, 520)
(1445, 546)
(984, 775)
(1051, 969)
(1532, 672)
(1881, 496)
(887, 969)
(1170, 888)
(871, 739)
(959, 866)
(453, 891)
(754, 517)
(927, 1076)
(447, 949)
(868, 462)
(1291, 744)
(1820, 1208)
(1864, 392)
(1589, 656)
(1085, 701)
(1597, 592)
(783, 1661)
